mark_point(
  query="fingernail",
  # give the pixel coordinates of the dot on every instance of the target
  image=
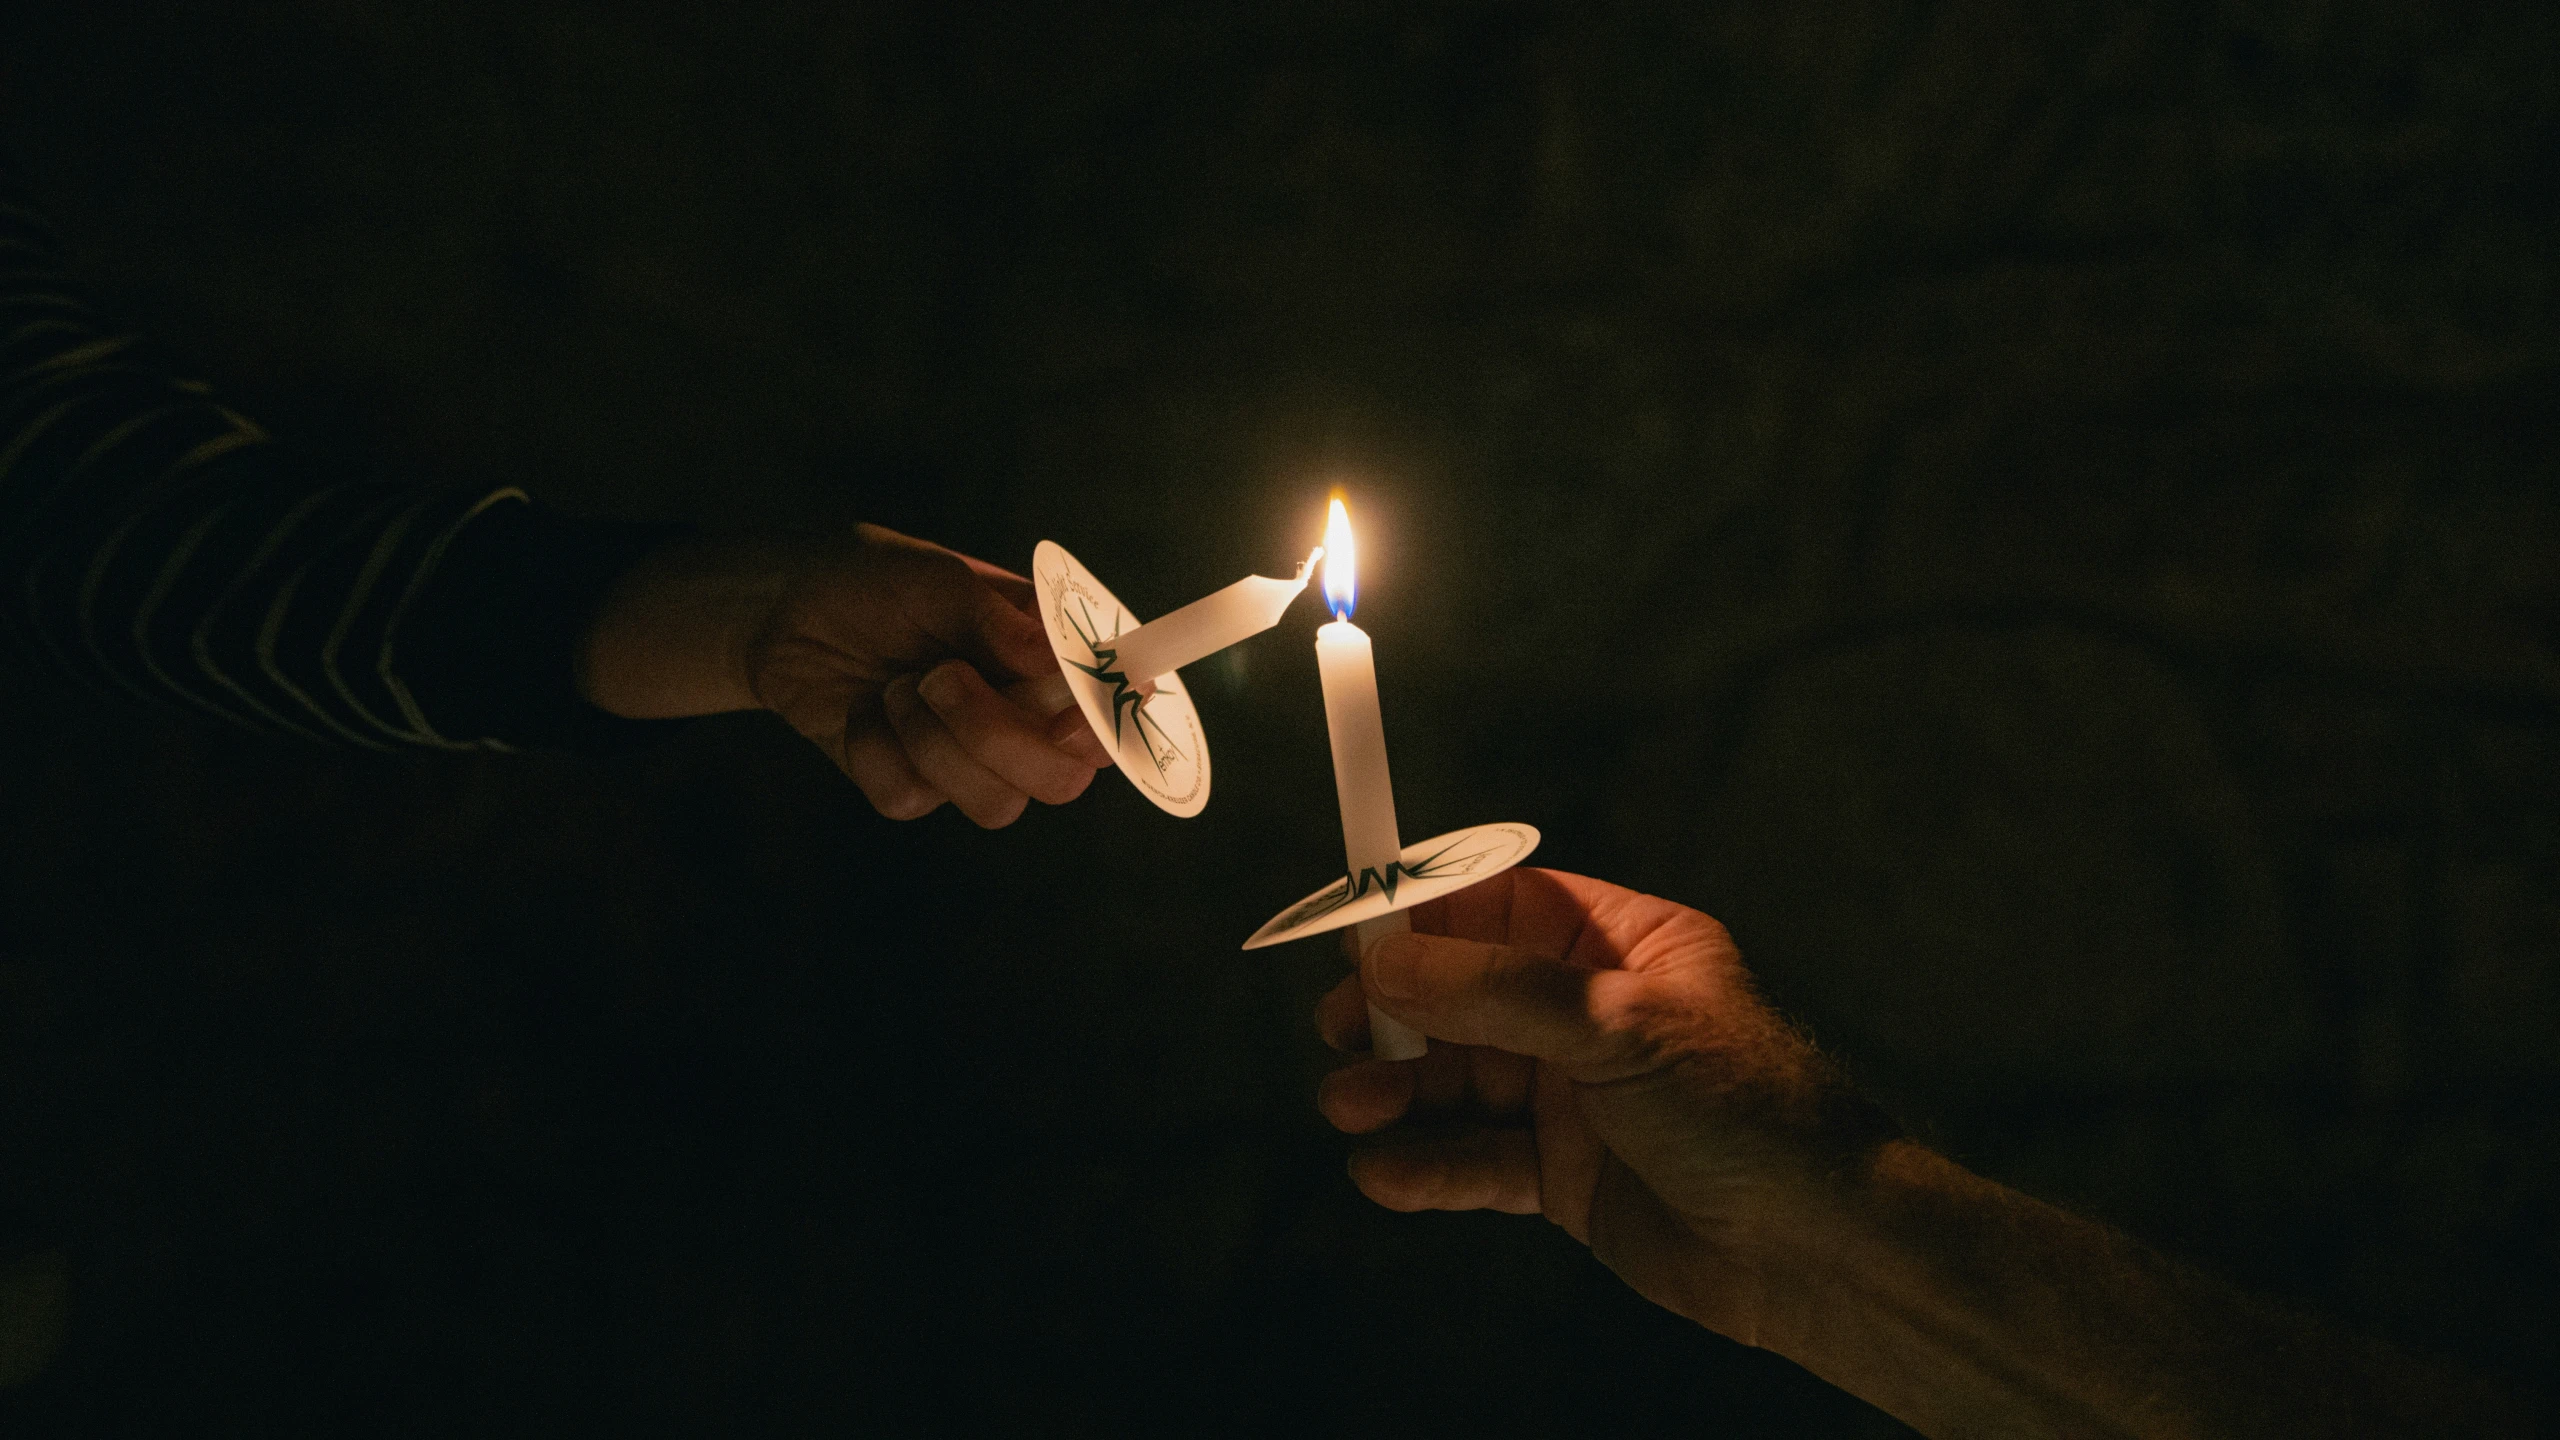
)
(1394, 966)
(941, 686)
(1049, 695)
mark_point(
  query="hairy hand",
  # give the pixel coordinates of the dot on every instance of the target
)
(920, 671)
(1598, 1056)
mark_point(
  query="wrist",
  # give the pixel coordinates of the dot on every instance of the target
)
(1934, 1295)
(1833, 1157)
(673, 633)
(1821, 1254)
(1752, 1247)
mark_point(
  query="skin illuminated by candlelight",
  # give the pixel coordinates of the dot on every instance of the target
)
(1605, 1060)
(919, 671)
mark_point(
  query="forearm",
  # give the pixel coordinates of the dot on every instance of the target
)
(1968, 1309)
(153, 541)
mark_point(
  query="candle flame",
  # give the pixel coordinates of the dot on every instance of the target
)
(1341, 586)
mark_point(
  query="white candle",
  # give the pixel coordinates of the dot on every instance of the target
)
(1369, 833)
(1370, 840)
(1206, 626)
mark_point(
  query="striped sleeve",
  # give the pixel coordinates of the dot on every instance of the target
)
(156, 543)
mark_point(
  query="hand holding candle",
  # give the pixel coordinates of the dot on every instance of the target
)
(916, 669)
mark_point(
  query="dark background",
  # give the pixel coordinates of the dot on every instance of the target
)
(2042, 517)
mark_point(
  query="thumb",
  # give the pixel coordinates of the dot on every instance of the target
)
(960, 608)
(1475, 993)
(1012, 637)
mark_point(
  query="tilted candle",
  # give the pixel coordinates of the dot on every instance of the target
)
(1369, 837)
(1207, 625)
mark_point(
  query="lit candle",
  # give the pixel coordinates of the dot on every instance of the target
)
(1369, 836)
(1206, 626)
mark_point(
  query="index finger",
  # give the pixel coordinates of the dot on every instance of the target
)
(1551, 912)
(1016, 591)
(966, 606)
(1001, 736)
(985, 626)
(1599, 1024)
(1531, 909)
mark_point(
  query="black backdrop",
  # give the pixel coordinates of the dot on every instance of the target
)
(2040, 516)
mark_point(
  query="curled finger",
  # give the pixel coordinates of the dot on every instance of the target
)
(1473, 1167)
(1001, 736)
(943, 763)
(1367, 1096)
(874, 760)
(1048, 697)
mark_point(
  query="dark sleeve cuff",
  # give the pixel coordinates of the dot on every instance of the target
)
(490, 650)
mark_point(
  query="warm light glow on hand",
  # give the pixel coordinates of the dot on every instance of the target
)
(1340, 562)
